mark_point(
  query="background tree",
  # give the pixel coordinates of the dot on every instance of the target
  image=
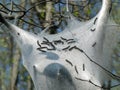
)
(35, 16)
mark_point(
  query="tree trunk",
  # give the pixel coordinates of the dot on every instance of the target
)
(14, 73)
(30, 86)
(48, 13)
(16, 58)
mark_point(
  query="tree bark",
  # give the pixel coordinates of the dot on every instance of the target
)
(48, 13)
(16, 58)
(30, 85)
(14, 73)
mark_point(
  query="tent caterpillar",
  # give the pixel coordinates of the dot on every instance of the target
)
(94, 44)
(66, 48)
(83, 67)
(69, 62)
(76, 70)
(95, 20)
(71, 42)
